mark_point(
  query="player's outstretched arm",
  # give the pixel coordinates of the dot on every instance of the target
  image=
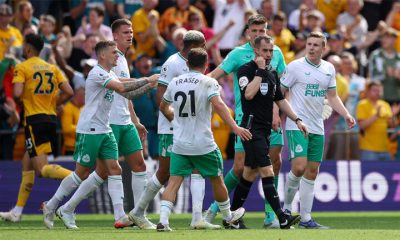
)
(137, 92)
(128, 86)
(221, 108)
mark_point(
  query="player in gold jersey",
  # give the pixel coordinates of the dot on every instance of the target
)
(36, 86)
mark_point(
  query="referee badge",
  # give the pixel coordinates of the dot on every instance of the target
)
(264, 88)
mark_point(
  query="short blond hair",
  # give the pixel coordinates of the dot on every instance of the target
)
(320, 35)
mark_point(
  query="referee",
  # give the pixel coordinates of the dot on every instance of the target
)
(260, 88)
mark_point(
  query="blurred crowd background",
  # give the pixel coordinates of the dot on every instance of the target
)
(363, 45)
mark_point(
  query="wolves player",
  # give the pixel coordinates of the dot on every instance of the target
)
(39, 99)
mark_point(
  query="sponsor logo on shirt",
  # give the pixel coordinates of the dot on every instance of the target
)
(313, 90)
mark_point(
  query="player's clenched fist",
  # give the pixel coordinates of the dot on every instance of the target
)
(153, 79)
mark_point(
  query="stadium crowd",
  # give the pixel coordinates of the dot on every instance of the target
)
(363, 45)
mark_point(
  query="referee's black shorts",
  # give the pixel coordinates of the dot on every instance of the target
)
(256, 150)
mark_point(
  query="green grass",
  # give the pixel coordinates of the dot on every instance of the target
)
(353, 225)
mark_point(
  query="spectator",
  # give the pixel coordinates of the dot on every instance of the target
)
(81, 8)
(299, 45)
(128, 7)
(374, 117)
(313, 22)
(145, 106)
(298, 17)
(164, 5)
(113, 10)
(143, 22)
(356, 83)
(11, 37)
(375, 11)
(289, 6)
(95, 26)
(87, 51)
(393, 20)
(226, 11)
(331, 10)
(196, 23)
(266, 8)
(384, 65)
(342, 87)
(64, 42)
(177, 14)
(352, 23)
(69, 119)
(9, 116)
(283, 38)
(46, 28)
(335, 44)
(396, 138)
(206, 7)
(168, 48)
(24, 16)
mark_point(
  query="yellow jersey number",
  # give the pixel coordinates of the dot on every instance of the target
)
(43, 89)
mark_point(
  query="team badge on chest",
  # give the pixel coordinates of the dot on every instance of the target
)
(264, 88)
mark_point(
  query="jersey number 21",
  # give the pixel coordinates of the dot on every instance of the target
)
(184, 98)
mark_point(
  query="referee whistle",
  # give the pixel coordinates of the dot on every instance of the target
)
(249, 121)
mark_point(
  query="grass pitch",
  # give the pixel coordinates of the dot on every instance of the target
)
(349, 225)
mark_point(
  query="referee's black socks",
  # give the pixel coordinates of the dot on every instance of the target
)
(241, 192)
(271, 195)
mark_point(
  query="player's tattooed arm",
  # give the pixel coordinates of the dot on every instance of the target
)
(133, 85)
(137, 92)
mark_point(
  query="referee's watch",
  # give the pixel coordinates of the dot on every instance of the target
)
(297, 119)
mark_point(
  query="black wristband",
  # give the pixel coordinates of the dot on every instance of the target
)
(261, 72)
(297, 119)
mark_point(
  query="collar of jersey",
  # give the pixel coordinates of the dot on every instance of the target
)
(312, 64)
(119, 51)
(102, 67)
(180, 55)
(194, 71)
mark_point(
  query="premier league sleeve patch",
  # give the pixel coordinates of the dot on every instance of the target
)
(243, 81)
